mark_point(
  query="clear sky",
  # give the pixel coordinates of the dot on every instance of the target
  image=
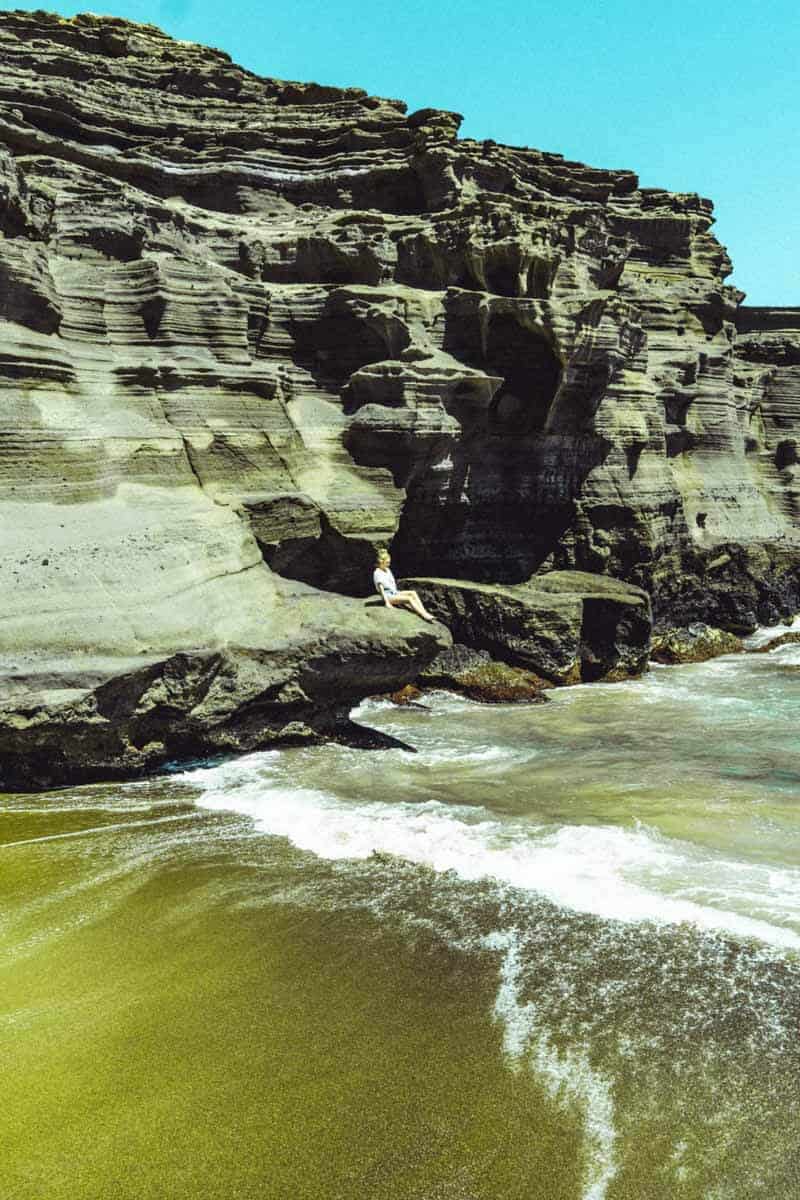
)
(694, 95)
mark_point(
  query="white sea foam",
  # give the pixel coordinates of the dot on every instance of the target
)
(436, 700)
(115, 827)
(479, 754)
(567, 1074)
(628, 874)
(768, 632)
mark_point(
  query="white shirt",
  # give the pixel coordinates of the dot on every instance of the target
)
(383, 578)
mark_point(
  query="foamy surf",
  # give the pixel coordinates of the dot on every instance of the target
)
(567, 1075)
(613, 872)
(768, 633)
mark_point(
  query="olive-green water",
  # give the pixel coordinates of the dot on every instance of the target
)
(555, 953)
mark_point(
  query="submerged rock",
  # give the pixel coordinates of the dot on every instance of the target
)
(696, 644)
(566, 626)
(475, 674)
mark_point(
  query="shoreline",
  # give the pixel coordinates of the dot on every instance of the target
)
(342, 729)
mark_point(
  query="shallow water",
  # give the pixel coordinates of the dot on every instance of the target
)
(552, 954)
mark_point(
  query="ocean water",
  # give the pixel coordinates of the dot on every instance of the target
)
(553, 953)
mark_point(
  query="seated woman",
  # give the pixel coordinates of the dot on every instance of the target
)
(386, 585)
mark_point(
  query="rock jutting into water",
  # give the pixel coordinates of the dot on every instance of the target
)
(251, 329)
(566, 626)
(475, 674)
(782, 639)
(695, 644)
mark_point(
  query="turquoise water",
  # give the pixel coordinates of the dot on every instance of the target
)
(553, 953)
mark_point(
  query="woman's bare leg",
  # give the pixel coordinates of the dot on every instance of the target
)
(411, 600)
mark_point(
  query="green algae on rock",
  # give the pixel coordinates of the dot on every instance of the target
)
(696, 644)
(475, 674)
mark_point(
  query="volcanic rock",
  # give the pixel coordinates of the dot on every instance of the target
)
(84, 717)
(695, 644)
(565, 626)
(791, 638)
(475, 674)
(250, 329)
(768, 389)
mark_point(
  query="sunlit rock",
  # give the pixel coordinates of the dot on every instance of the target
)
(251, 329)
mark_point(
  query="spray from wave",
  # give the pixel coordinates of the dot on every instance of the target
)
(610, 871)
(567, 1074)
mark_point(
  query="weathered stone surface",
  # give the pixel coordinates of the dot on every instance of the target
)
(83, 717)
(510, 622)
(737, 586)
(249, 329)
(566, 626)
(475, 674)
(768, 389)
(695, 644)
(407, 696)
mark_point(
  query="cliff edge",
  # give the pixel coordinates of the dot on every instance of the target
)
(249, 328)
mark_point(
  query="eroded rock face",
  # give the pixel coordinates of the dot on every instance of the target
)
(251, 328)
(565, 626)
(768, 388)
(77, 717)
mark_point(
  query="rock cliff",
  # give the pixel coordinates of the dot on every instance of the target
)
(767, 383)
(249, 328)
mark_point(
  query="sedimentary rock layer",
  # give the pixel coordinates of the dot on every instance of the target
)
(767, 379)
(249, 328)
(566, 626)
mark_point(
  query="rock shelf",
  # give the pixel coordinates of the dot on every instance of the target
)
(251, 328)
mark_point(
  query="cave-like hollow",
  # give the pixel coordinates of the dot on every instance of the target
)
(336, 344)
(523, 358)
(497, 508)
(490, 507)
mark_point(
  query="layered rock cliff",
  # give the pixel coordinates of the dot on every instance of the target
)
(251, 328)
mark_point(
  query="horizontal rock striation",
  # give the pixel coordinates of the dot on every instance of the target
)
(250, 328)
(767, 380)
(565, 626)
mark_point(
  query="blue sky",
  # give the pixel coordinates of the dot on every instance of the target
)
(701, 96)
